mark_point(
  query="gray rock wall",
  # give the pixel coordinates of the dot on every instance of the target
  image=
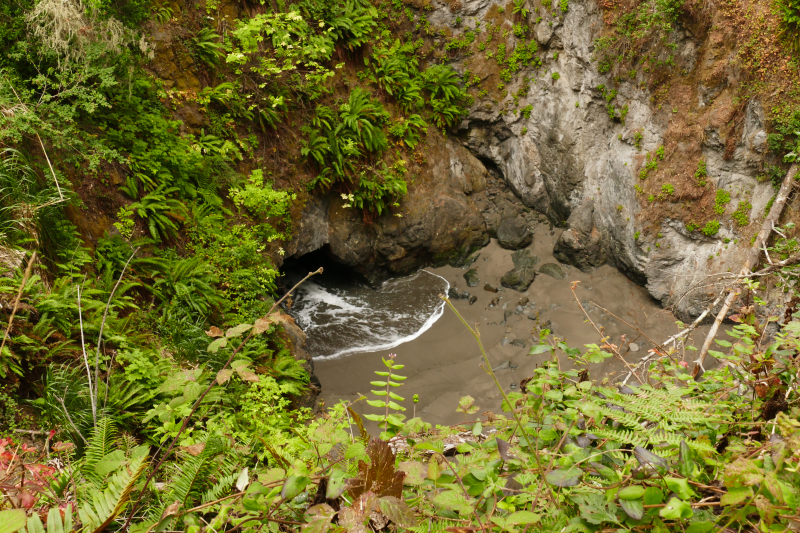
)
(572, 162)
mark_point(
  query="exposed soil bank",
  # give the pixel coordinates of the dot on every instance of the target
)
(443, 364)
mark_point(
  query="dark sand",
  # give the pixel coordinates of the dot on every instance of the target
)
(442, 364)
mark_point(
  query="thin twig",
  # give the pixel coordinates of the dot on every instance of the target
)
(102, 327)
(602, 337)
(69, 418)
(92, 395)
(25, 277)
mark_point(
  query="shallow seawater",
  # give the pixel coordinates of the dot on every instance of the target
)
(343, 315)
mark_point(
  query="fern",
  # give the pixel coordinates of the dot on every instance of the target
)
(107, 504)
(625, 436)
(102, 442)
(192, 475)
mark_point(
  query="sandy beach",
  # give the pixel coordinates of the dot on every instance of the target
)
(443, 364)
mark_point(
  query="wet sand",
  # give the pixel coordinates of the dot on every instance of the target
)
(443, 364)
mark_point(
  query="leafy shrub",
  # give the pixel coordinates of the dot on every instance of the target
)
(711, 228)
(701, 173)
(408, 130)
(722, 198)
(742, 213)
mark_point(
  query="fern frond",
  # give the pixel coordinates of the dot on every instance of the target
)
(220, 488)
(625, 436)
(106, 505)
(102, 442)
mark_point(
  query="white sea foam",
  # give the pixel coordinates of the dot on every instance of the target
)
(340, 321)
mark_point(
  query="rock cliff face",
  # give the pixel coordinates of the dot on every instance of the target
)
(567, 159)
(439, 223)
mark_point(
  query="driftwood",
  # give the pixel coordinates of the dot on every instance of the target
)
(751, 261)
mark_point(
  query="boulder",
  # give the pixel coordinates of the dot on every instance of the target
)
(553, 270)
(521, 276)
(582, 245)
(471, 276)
(513, 233)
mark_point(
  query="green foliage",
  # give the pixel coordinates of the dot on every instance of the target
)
(526, 111)
(555, 76)
(722, 198)
(408, 130)
(711, 228)
(701, 173)
(259, 199)
(161, 213)
(390, 422)
(206, 46)
(742, 213)
(638, 136)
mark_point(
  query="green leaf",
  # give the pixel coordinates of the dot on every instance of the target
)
(216, 344)
(633, 508)
(454, 501)
(546, 435)
(293, 486)
(564, 477)
(736, 495)
(378, 383)
(477, 429)
(700, 527)
(415, 472)
(337, 482)
(631, 493)
(653, 496)
(237, 331)
(676, 509)
(397, 511)
(523, 517)
(743, 472)
(723, 343)
(541, 348)
(110, 462)
(12, 520)
(319, 518)
(554, 395)
(608, 473)
(679, 487)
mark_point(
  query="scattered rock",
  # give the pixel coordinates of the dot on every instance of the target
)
(473, 299)
(633, 347)
(519, 309)
(523, 302)
(523, 273)
(553, 270)
(518, 342)
(513, 233)
(489, 288)
(495, 301)
(504, 341)
(471, 276)
(471, 259)
(453, 293)
(507, 315)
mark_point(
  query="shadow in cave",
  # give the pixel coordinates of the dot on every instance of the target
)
(333, 272)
